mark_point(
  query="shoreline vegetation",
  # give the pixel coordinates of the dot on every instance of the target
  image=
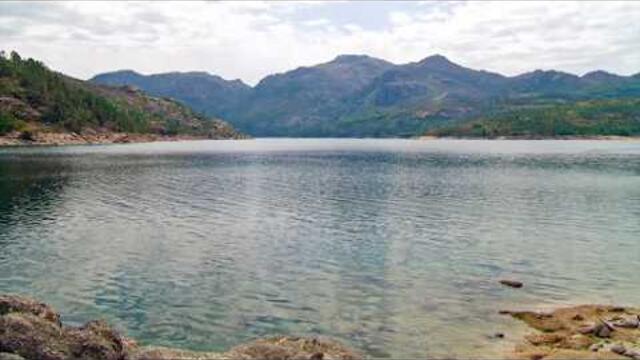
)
(600, 118)
(533, 138)
(31, 330)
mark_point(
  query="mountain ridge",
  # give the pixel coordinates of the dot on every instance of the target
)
(360, 95)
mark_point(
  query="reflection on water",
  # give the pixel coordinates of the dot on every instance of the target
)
(394, 246)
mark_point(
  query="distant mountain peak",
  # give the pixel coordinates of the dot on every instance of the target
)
(436, 59)
(351, 57)
(127, 72)
(357, 59)
(598, 72)
(600, 75)
(546, 74)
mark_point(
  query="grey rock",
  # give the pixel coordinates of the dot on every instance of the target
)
(618, 349)
(632, 353)
(627, 322)
(603, 330)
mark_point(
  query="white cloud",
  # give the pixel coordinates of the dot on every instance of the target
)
(250, 40)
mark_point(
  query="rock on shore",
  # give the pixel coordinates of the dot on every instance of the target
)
(31, 330)
(581, 332)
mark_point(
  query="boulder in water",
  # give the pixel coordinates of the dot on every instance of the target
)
(512, 283)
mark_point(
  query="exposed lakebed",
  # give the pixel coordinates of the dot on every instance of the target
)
(393, 246)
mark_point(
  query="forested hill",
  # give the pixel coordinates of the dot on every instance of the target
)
(604, 117)
(36, 99)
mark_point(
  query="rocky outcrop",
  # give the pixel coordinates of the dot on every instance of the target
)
(30, 330)
(33, 330)
(581, 332)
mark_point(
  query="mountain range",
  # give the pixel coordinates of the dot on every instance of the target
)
(358, 95)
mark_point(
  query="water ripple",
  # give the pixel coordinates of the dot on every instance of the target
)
(392, 245)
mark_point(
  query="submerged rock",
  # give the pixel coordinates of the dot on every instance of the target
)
(512, 283)
(30, 330)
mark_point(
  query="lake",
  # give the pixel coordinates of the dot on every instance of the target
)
(394, 247)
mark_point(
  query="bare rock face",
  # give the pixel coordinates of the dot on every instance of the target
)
(30, 330)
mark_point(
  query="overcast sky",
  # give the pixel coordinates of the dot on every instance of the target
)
(251, 40)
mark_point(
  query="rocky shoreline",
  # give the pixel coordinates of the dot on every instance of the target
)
(580, 332)
(31, 330)
(99, 138)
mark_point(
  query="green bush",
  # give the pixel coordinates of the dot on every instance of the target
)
(8, 122)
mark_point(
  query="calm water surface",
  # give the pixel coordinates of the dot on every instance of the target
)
(393, 246)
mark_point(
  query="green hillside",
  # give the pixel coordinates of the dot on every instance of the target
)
(34, 98)
(605, 117)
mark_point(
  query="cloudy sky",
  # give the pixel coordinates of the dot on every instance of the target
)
(250, 40)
